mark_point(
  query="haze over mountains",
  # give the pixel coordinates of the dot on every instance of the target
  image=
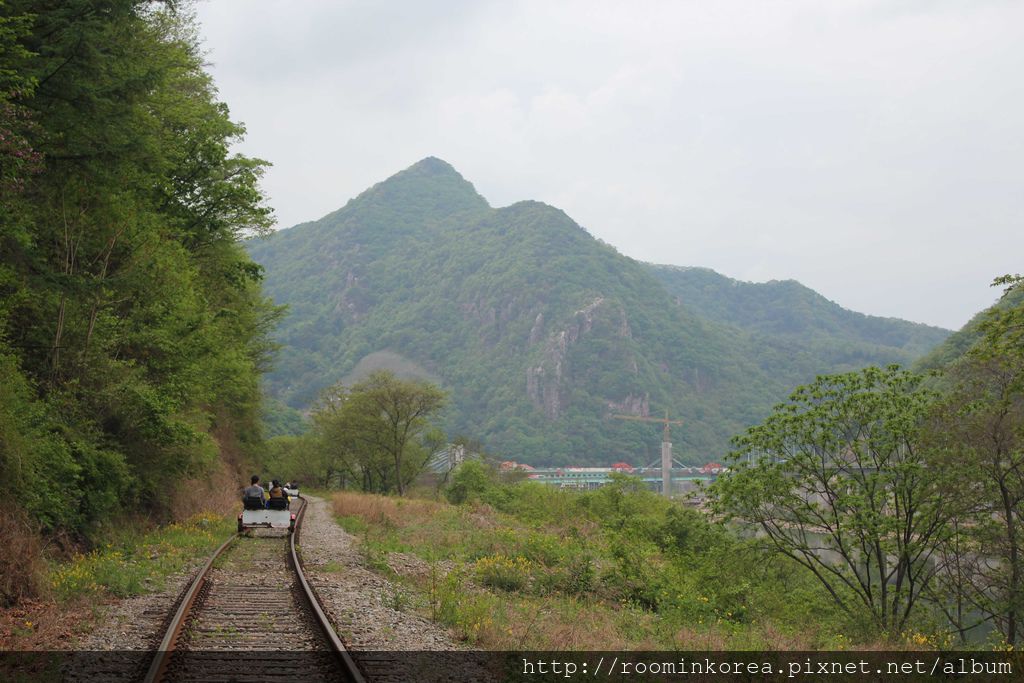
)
(540, 332)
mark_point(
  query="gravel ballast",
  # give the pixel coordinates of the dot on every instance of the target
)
(354, 596)
(137, 623)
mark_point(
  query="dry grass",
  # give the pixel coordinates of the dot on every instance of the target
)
(217, 494)
(373, 509)
(701, 640)
(779, 640)
(45, 625)
(570, 626)
(550, 623)
(23, 571)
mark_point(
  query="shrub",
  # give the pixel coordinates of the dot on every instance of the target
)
(575, 577)
(470, 482)
(504, 573)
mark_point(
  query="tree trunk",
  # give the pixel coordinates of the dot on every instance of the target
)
(1013, 590)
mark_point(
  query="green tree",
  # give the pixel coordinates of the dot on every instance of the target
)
(979, 435)
(470, 481)
(343, 460)
(380, 429)
(396, 421)
(837, 481)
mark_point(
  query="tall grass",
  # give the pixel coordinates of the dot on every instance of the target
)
(557, 575)
(22, 569)
(137, 563)
(383, 510)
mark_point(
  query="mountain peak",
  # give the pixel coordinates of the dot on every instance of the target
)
(433, 170)
(430, 188)
(433, 166)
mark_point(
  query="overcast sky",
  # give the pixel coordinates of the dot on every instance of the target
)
(872, 150)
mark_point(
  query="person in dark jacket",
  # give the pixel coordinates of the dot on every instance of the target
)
(276, 494)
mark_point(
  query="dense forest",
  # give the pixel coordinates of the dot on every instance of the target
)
(798, 331)
(133, 330)
(540, 332)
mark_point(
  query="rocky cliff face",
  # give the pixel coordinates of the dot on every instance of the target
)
(640, 406)
(549, 381)
(544, 382)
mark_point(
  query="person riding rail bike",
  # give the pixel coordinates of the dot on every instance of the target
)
(252, 495)
(278, 497)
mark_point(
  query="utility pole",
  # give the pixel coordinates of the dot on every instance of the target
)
(666, 448)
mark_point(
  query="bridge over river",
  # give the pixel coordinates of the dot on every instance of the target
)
(683, 479)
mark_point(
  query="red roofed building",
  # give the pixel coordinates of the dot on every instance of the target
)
(513, 465)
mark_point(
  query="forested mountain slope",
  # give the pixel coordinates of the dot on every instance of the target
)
(132, 326)
(539, 331)
(958, 343)
(798, 331)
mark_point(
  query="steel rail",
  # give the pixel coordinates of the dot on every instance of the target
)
(350, 670)
(162, 657)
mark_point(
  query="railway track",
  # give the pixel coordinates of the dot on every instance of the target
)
(250, 613)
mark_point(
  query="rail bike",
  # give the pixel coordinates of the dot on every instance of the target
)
(274, 514)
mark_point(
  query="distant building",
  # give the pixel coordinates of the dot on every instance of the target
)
(450, 457)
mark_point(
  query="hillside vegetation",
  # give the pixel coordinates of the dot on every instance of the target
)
(539, 331)
(868, 511)
(527, 567)
(960, 342)
(797, 331)
(133, 330)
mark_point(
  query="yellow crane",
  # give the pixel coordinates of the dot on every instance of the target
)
(664, 421)
(666, 448)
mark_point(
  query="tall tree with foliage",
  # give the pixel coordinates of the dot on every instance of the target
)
(837, 481)
(380, 429)
(979, 435)
(132, 328)
(341, 459)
